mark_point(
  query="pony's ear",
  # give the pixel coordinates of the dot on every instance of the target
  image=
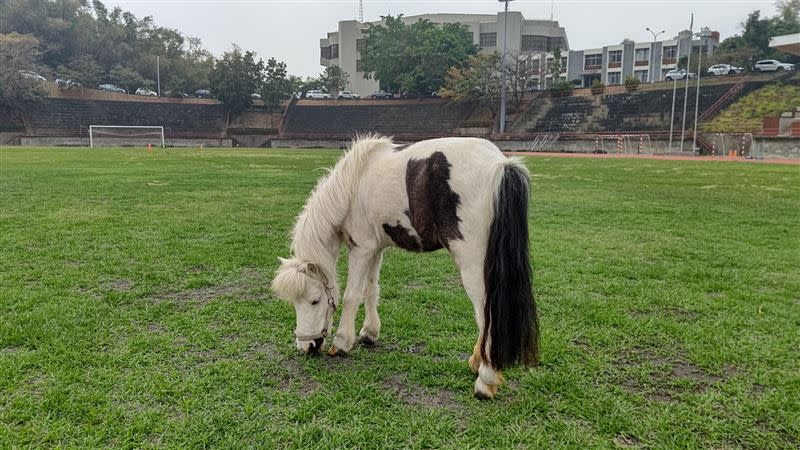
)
(282, 261)
(310, 268)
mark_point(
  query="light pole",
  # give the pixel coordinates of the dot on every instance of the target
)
(158, 76)
(653, 52)
(697, 91)
(503, 70)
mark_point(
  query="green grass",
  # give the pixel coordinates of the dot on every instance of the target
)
(136, 312)
(748, 113)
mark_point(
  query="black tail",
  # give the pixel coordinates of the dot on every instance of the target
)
(510, 317)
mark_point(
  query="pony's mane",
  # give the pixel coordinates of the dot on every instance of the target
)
(329, 202)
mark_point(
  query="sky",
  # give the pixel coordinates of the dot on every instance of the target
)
(290, 30)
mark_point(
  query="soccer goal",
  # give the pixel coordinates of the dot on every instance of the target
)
(126, 136)
(624, 144)
(732, 144)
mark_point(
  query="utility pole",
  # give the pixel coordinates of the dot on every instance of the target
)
(503, 70)
(158, 75)
(686, 89)
(361, 11)
(697, 94)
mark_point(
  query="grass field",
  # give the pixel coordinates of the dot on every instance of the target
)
(136, 312)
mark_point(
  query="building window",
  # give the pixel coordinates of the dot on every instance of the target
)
(641, 75)
(534, 43)
(556, 42)
(359, 45)
(488, 40)
(359, 67)
(592, 61)
(670, 52)
(614, 78)
(325, 52)
(563, 64)
(615, 56)
(334, 51)
(641, 54)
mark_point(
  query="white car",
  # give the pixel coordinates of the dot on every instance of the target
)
(31, 75)
(771, 65)
(146, 92)
(678, 75)
(724, 69)
(317, 94)
(347, 95)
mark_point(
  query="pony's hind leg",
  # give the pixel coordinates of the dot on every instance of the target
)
(372, 323)
(488, 378)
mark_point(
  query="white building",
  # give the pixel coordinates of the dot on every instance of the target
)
(526, 37)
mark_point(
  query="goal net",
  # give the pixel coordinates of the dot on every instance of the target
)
(732, 144)
(624, 144)
(126, 136)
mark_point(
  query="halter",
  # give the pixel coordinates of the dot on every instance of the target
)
(328, 317)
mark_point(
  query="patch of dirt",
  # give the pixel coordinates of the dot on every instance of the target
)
(249, 279)
(624, 441)
(664, 384)
(417, 348)
(415, 395)
(120, 285)
(155, 328)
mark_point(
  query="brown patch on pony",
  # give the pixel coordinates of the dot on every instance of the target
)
(432, 205)
(402, 238)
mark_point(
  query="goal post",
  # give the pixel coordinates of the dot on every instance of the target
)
(126, 135)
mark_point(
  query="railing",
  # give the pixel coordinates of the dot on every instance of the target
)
(716, 106)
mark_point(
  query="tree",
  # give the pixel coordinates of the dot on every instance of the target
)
(235, 78)
(414, 57)
(128, 79)
(276, 85)
(83, 70)
(333, 79)
(477, 79)
(520, 72)
(554, 66)
(19, 52)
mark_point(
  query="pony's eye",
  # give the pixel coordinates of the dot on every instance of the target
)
(315, 302)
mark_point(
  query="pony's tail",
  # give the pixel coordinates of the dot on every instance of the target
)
(511, 329)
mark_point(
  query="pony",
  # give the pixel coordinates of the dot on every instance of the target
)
(458, 194)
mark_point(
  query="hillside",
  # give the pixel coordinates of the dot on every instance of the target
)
(749, 112)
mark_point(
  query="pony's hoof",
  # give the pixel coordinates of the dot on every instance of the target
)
(366, 339)
(484, 391)
(333, 351)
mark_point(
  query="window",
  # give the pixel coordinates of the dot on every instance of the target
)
(534, 43)
(670, 52)
(614, 78)
(563, 64)
(641, 54)
(325, 52)
(615, 57)
(556, 42)
(488, 40)
(641, 75)
(359, 67)
(592, 61)
(334, 51)
(359, 45)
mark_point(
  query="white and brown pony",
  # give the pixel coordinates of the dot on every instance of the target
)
(461, 194)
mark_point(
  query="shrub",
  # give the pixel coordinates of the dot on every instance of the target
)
(598, 87)
(631, 83)
(562, 87)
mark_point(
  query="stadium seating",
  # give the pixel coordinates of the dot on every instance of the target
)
(565, 115)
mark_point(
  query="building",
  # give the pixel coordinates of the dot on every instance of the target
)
(789, 43)
(525, 37)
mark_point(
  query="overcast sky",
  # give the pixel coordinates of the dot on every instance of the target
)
(290, 30)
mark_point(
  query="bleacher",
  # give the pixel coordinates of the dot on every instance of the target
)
(565, 115)
(413, 119)
(66, 117)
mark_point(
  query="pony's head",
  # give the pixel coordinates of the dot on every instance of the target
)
(304, 284)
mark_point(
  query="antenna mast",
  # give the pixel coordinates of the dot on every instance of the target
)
(361, 11)
(552, 7)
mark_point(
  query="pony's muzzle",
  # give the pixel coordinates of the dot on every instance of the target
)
(311, 347)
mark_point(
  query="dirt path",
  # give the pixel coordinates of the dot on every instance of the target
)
(662, 157)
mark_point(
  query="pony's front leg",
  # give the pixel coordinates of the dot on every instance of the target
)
(357, 272)
(372, 322)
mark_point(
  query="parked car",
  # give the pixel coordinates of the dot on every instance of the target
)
(347, 95)
(410, 95)
(202, 93)
(678, 75)
(381, 94)
(176, 94)
(724, 69)
(255, 96)
(146, 92)
(317, 94)
(112, 88)
(64, 83)
(772, 65)
(31, 75)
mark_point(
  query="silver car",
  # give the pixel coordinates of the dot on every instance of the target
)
(112, 88)
(724, 69)
(678, 75)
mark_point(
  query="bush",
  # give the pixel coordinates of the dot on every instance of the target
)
(598, 87)
(631, 83)
(562, 87)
